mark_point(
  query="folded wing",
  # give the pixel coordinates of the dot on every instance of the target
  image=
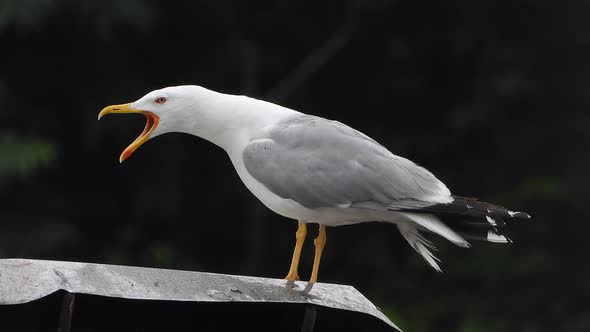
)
(323, 163)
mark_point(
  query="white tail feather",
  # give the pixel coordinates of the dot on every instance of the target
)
(419, 243)
(433, 224)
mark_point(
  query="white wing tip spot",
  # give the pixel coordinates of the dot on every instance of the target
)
(497, 238)
(491, 221)
(513, 213)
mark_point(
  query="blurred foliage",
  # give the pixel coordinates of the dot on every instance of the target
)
(26, 13)
(490, 95)
(100, 15)
(20, 157)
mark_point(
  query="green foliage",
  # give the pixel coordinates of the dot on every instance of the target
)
(21, 157)
(26, 13)
(102, 15)
(545, 186)
(482, 325)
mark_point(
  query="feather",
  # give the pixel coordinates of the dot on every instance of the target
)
(433, 224)
(470, 219)
(419, 243)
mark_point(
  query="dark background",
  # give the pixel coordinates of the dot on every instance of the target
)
(491, 96)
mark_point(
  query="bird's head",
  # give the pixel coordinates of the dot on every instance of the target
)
(165, 111)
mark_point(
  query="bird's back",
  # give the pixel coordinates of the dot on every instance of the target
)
(322, 163)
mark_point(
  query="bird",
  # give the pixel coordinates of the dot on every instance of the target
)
(319, 171)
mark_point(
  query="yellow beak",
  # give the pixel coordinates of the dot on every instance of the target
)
(151, 124)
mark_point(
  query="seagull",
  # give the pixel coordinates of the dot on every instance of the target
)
(320, 171)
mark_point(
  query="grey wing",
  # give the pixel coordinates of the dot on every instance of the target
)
(322, 163)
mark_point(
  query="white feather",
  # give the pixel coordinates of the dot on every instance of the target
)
(491, 220)
(433, 224)
(419, 243)
(497, 238)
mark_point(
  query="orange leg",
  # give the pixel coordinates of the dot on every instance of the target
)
(319, 242)
(300, 237)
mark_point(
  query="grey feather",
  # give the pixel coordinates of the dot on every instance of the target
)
(322, 163)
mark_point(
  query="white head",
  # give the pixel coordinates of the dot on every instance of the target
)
(173, 109)
(225, 120)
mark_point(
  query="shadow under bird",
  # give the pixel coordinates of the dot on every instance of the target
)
(315, 170)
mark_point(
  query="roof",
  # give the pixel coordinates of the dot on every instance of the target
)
(26, 280)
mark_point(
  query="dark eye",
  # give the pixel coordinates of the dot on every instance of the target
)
(160, 100)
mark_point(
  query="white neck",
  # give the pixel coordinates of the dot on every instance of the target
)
(228, 121)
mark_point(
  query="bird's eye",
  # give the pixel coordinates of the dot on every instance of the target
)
(160, 100)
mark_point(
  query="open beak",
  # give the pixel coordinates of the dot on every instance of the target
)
(151, 124)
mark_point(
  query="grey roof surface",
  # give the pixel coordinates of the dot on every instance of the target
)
(25, 280)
